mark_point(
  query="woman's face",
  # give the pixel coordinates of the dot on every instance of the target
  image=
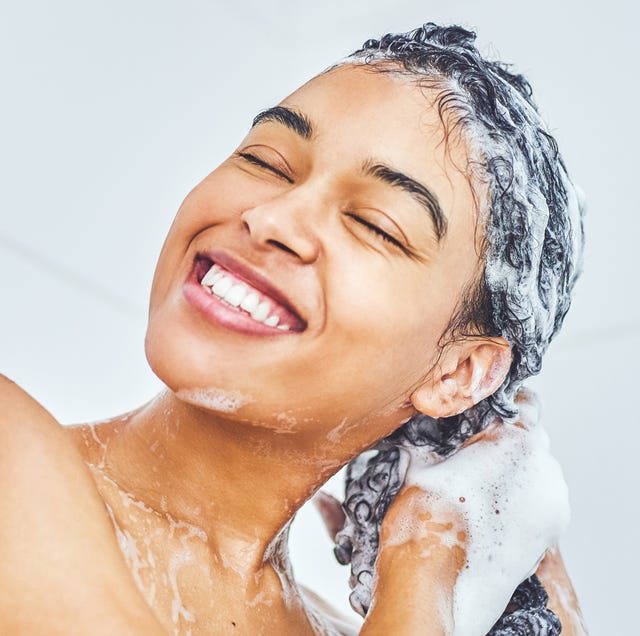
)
(327, 216)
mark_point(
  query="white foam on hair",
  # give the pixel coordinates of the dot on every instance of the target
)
(514, 502)
(498, 272)
(214, 399)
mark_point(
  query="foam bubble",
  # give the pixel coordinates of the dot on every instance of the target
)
(514, 503)
(215, 399)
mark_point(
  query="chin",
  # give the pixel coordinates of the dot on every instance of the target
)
(196, 374)
(167, 355)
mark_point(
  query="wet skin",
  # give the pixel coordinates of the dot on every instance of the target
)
(305, 213)
(298, 211)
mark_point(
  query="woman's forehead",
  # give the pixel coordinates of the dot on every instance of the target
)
(364, 111)
(358, 115)
(382, 101)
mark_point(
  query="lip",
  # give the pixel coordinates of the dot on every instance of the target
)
(221, 313)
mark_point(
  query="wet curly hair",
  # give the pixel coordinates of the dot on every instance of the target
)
(531, 216)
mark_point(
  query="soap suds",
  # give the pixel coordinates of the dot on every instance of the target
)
(336, 434)
(531, 217)
(277, 555)
(101, 444)
(215, 399)
(179, 559)
(129, 549)
(141, 561)
(514, 503)
(513, 486)
(287, 422)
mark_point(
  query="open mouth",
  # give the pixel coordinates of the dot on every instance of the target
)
(246, 293)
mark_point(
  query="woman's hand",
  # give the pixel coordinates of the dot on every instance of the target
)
(420, 557)
(511, 496)
(464, 532)
(418, 562)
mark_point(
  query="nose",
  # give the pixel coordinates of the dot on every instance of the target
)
(284, 223)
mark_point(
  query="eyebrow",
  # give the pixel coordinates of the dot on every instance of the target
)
(302, 126)
(419, 192)
(292, 119)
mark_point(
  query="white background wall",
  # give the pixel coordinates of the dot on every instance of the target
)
(111, 111)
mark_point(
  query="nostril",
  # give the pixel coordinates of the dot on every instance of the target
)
(290, 236)
(282, 246)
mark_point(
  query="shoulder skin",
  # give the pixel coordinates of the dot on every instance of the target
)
(61, 571)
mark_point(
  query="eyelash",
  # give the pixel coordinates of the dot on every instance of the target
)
(377, 231)
(247, 156)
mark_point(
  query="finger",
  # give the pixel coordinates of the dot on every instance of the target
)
(331, 512)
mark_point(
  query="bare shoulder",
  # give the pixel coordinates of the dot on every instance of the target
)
(30, 439)
(60, 566)
(39, 466)
(17, 403)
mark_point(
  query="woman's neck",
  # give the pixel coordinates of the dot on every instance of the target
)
(237, 482)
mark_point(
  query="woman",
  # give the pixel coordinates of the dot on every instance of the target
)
(385, 257)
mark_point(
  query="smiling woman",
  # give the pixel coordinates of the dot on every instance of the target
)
(321, 213)
(337, 285)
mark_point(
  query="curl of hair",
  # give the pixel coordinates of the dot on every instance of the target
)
(531, 215)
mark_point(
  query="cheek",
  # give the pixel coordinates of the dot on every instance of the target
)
(210, 203)
(389, 300)
(166, 264)
(219, 197)
(388, 327)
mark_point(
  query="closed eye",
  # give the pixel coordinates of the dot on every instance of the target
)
(256, 161)
(376, 230)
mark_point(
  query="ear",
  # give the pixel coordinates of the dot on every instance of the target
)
(470, 371)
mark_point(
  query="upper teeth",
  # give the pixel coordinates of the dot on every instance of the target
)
(238, 294)
(250, 302)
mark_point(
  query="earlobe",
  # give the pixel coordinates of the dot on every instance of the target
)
(469, 374)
